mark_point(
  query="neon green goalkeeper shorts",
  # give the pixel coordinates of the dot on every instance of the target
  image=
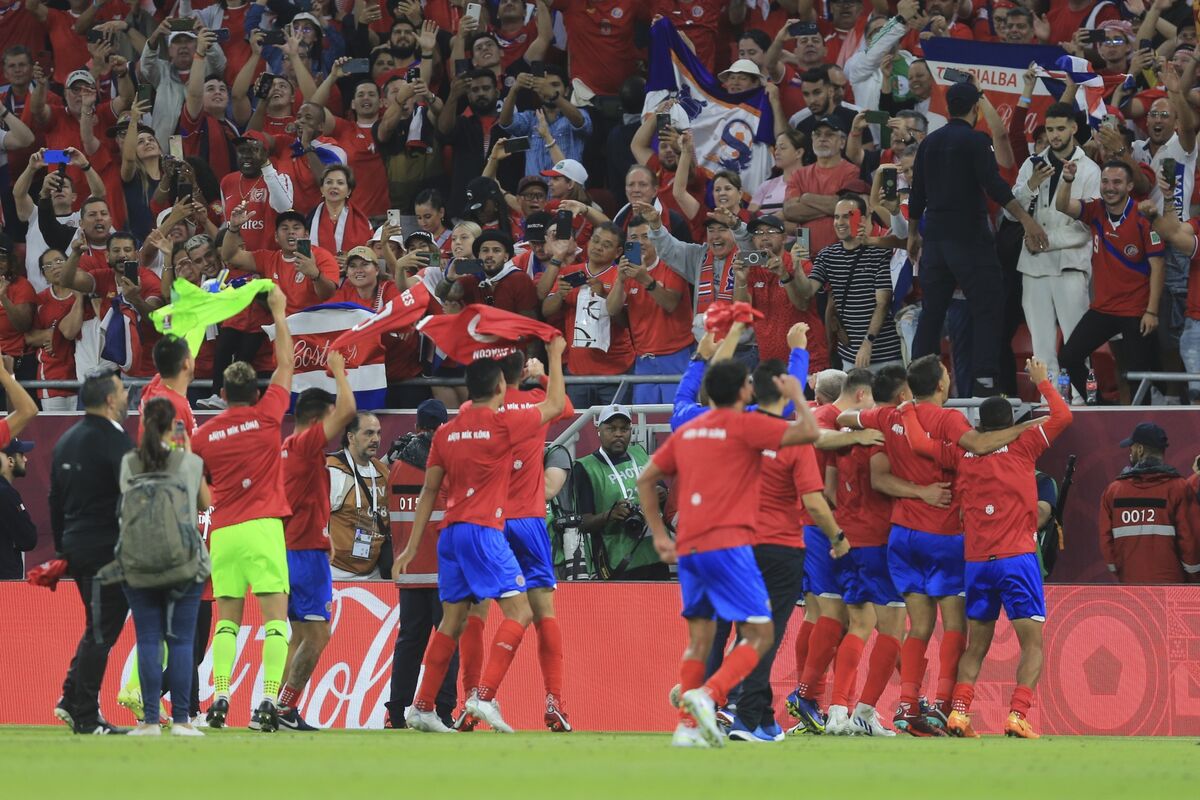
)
(250, 555)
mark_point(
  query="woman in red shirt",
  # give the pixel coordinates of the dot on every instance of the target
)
(335, 223)
(56, 327)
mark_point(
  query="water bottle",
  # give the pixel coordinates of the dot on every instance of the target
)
(1064, 385)
(1093, 389)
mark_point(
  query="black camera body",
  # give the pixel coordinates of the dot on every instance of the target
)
(635, 523)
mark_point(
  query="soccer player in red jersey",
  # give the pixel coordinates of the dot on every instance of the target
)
(997, 493)
(174, 370)
(24, 408)
(925, 545)
(240, 448)
(319, 418)
(717, 461)
(525, 530)
(474, 454)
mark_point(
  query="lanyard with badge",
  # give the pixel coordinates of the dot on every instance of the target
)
(363, 538)
(626, 493)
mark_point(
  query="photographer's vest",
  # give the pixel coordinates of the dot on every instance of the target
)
(406, 482)
(353, 519)
(611, 484)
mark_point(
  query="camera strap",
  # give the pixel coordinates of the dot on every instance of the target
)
(626, 493)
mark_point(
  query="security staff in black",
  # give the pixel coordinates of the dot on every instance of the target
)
(950, 233)
(18, 533)
(84, 497)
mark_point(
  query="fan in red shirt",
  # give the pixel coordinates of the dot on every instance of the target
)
(1067, 16)
(943, 22)
(664, 164)
(998, 496)
(699, 20)
(18, 302)
(717, 460)
(240, 448)
(319, 418)
(474, 455)
(500, 283)
(175, 368)
(56, 327)
(603, 52)
(304, 280)
(358, 139)
(259, 188)
(337, 224)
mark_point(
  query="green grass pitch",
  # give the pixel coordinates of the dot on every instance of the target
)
(45, 762)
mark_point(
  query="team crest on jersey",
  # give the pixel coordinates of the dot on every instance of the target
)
(1132, 250)
(989, 509)
(618, 12)
(697, 11)
(258, 195)
(299, 277)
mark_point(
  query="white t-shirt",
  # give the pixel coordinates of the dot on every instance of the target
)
(35, 245)
(1185, 171)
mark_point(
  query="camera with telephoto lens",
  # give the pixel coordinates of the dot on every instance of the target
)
(561, 523)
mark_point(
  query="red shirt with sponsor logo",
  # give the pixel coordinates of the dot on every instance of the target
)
(20, 292)
(603, 53)
(476, 451)
(788, 473)
(259, 231)
(717, 461)
(911, 512)
(654, 331)
(240, 448)
(512, 48)
(306, 481)
(58, 362)
(183, 410)
(588, 360)
(296, 286)
(1121, 252)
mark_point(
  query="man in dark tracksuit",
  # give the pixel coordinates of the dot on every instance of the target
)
(18, 534)
(84, 495)
(954, 168)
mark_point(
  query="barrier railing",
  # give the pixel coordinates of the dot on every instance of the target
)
(1148, 378)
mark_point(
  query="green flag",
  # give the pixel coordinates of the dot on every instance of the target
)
(194, 309)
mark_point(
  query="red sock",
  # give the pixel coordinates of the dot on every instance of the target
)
(470, 654)
(880, 667)
(691, 676)
(550, 655)
(1022, 699)
(912, 668)
(504, 647)
(953, 644)
(736, 666)
(845, 669)
(803, 637)
(288, 696)
(823, 646)
(437, 658)
(964, 693)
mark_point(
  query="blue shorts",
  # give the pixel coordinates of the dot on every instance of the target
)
(866, 578)
(724, 584)
(820, 569)
(926, 563)
(475, 563)
(310, 596)
(1015, 582)
(530, 543)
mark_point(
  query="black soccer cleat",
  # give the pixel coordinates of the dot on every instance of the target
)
(217, 713)
(267, 717)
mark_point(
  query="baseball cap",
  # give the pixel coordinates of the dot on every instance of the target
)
(293, 214)
(363, 252)
(608, 412)
(530, 180)
(960, 97)
(17, 446)
(426, 235)
(80, 75)
(1148, 434)
(568, 168)
(304, 15)
(743, 66)
(830, 122)
(253, 136)
(171, 38)
(536, 225)
(377, 236)
(431, 413)
(766, 221)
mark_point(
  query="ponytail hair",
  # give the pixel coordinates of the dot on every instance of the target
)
(157, 419)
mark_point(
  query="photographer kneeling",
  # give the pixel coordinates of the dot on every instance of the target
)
(605, 486)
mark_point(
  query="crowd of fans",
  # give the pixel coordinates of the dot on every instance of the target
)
(506, 153)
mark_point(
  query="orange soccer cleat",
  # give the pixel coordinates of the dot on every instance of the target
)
(1019, 727)
(959, 724)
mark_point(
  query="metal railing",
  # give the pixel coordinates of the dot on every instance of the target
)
(1149, 378)
(570, 380)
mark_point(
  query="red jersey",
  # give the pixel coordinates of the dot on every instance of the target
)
(998, 491)
(5, 433)
(769, 296)
(791, 92)
(20, 292)
(603, 53)
(209, 139)
(826, 417)
(1064, 21)
(527, 487)
(788, 473)
(183, 410)
(1150, 526)
(70, 49)
(259, 231)
(588, 360)
(697, 187)
(512, 48)
(699, 20)
(717, 459)
(58, 362)
(911, 512)
(1121, 253)
(371, 192)
(652, 330)
(816, 179)
(240, 448)
(297, 286)
(18, 26)
(476, 451)
(514, 292)
(865, 514)
(306, 481)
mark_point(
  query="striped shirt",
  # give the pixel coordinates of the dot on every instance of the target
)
(853, 277)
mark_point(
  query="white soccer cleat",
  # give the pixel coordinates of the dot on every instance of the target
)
(688, 736)
(866, 722)
(838, 722)
(180, 729)
(489, 712)
(426, 721)
(700, 705)
(145, 730)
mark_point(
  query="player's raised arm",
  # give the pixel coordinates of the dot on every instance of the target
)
(647, 485)
(804, 430)
(556, 392)
(24, 408)
(345, 408)
(1060, 412)
(425, 503)
(285, 359)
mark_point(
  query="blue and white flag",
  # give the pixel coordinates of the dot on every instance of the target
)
(313, 330)
(728, 130)
(1093, 88)
(120, 340)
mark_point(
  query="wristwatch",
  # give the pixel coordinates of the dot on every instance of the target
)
(652, 285)
(871, 337)
(841, 537)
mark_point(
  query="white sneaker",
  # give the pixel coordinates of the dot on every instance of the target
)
(182, 729)
(866, 722)
(489, 712)
(213, 401)
(427, 721)
(688, 736)
(838, 722)
(146, 730)
(700, 705)
(199, 721)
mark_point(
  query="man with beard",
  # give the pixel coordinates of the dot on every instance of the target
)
(305, 280)
(502, 285)
(259, 188)
(812, 191)
(665, 162)
(18, 529)
(569, 127)
(407, 147)
(358, 139)
(470, 133)
(822, 104)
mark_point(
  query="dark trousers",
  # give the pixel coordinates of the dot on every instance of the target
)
(199, 646)
(783, 572)
(973, 267)
(420, 613)
(1138, 353)
(150, 609)
(234, 346)
(81, 688)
